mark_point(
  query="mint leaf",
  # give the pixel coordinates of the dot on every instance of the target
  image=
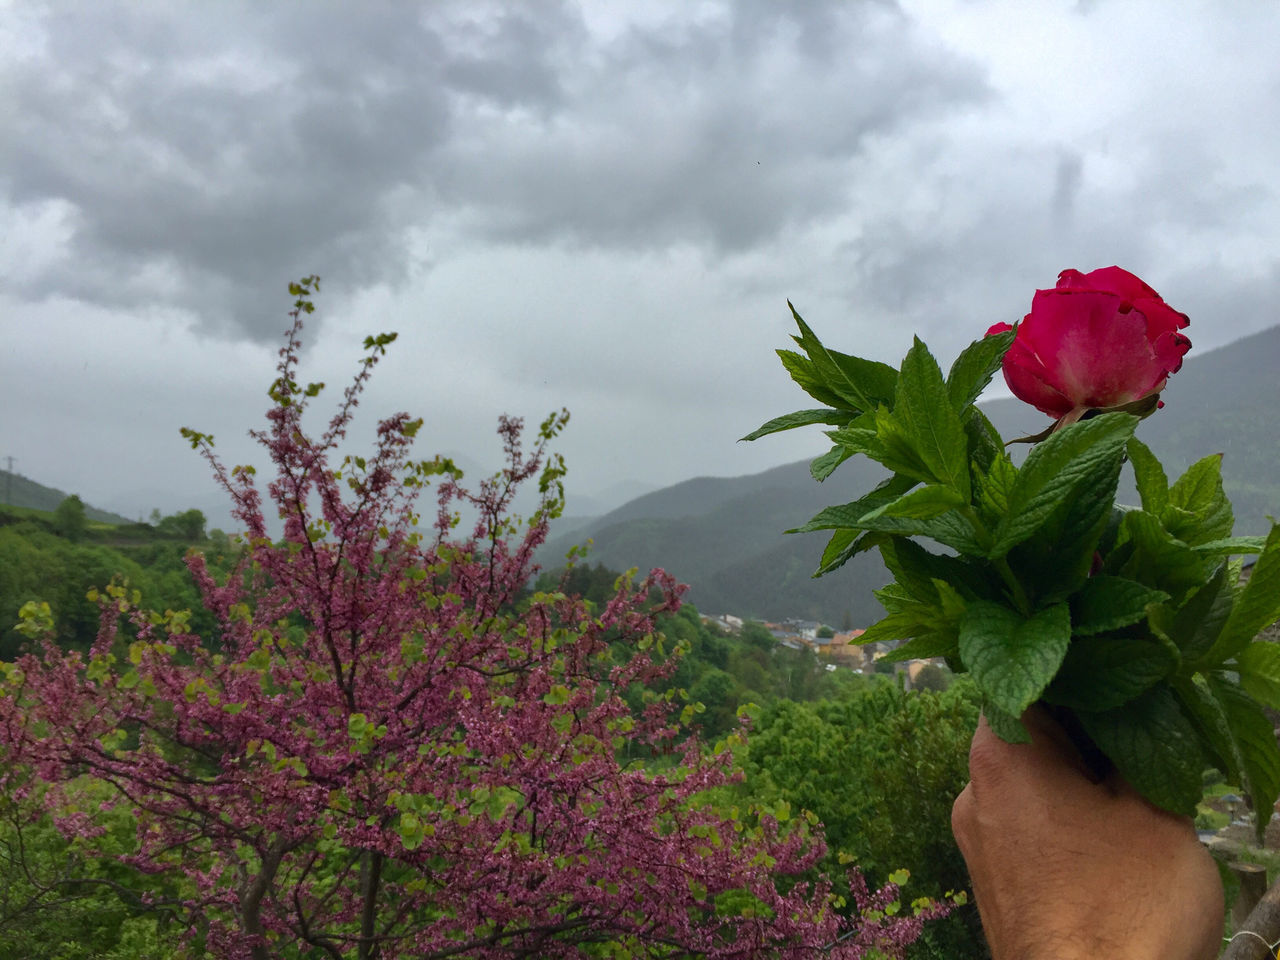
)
(925, 646)
(922, 504)
(975, 367)
(923, 409)
(1154, 746)
(951, 529)
(993, 486)
(916, 569)
(847, 515)
(985, 442)
(1198, 492)
(895, 447)
(801, 418)
(1210, 721)
(898, 625)
(1013, 658)
(862, 384)
(844, 545)
(1255, 739)
(1053, 471)
(1230, 546)
(1108, 603)
(822, 467)
(1256, 606)
(1198, 622)
(1259, 668)
(1008, 728)
(1153, 485)
(1102, 673)
(1056, 560)
(805, 373)
(1157, 558)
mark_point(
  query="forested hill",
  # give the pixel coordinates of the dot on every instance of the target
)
(17, 491)
(724, 536)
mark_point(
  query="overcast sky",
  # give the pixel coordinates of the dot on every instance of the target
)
(596, 205)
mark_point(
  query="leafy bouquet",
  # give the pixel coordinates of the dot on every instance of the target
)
(1134, 626)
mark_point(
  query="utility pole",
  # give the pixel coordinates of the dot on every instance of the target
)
(8, 481)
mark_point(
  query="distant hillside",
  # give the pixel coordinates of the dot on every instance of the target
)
(724, 535)
(18, 491)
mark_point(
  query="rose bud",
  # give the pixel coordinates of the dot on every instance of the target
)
(1097, 341)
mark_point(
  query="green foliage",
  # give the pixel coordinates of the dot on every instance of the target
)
(880, 768)
(72, 905)
(1134, 620)
(69, 519)
(37, 564)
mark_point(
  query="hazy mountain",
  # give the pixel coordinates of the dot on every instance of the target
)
(724, 535)
(16, 490)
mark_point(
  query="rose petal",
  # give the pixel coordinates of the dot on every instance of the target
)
(1095, 352)
(1025, 375)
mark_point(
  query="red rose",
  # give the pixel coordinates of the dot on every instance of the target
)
(1097, 340)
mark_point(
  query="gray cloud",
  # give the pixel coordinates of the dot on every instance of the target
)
(208, 154)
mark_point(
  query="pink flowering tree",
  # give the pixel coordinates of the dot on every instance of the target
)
(390, 749)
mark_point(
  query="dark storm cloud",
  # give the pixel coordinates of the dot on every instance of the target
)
(720, 133)
(207, 154)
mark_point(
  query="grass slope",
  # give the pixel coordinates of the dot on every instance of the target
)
(18, 491)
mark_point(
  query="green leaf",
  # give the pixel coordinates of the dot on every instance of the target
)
(899, 625)
(1053, 471)
(1230, 546)
(925, 646)
(995, 484)
(822, 467)
(905, 559)
(1013, 658)
(558, 694)
(847, 515)
(1195, 625)
(918, 570)
(801, 418)
(1153, 485)
(1207, 715)
(1005, 726)
(1199, 493)
(891, 445)
(951, 529)
(1154, 746)
(805, 373)
(860, 383)
(844, 545)
(975, 367)
(1256, 606)
(921, 504)
(1102, 673)
(1159, 559)
(1108, 603)
(1056, 561)
(985, 443)
(1259, 668)
(1255, 737)
(923, 410)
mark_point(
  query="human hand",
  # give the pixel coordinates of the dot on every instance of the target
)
(1064, 867)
